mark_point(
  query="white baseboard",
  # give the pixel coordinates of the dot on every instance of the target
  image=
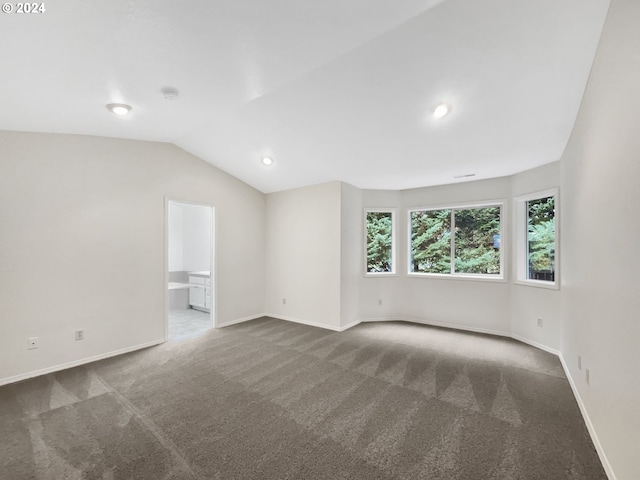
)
(76, 363)
(292, 319)
(379, 319)
(307, 322)
(352, 324)
(240, 320)
(438, 324)
(535, 344)
(587, 420)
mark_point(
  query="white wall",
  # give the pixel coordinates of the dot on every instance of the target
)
(503, 308)
(176, 261)
(196, 238)
(189, 237)
(303, 254)
(351, 253)
(529, 303)
(480, 306)
(600, 242)
(381, 288)
(82, 244)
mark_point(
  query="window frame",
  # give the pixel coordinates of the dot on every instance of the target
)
(501, 277)
(394, 242)
(521, 237)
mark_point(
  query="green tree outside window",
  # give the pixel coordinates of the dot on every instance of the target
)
(541, 239)
(379, 242)
(476, 241)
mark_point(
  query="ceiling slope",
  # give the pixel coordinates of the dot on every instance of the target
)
(330, 90)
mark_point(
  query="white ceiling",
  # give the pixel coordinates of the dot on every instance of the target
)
(331, 89)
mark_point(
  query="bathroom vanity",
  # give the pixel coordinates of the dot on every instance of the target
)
(200, 291)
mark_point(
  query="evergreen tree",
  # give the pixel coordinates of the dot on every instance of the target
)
(431, 241)
(379, 241)
(474, 242)
(541, 235)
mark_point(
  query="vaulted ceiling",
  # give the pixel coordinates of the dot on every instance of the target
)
(331, 89)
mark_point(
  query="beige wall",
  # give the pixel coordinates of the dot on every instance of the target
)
(303, 254)
(474, 305)
(600, 242)
(351, 253)
(82, 232)
(529, 303)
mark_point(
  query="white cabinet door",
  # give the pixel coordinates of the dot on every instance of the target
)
(197, 296)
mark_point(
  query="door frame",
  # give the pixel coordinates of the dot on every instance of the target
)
(213, 312)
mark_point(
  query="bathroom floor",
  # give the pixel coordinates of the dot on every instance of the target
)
(187, 323)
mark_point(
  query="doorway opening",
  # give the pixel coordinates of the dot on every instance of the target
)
(190, 279)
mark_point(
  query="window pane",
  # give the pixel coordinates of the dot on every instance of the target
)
(431, 241)
(541, 239)
(379, 242)
(477, 241)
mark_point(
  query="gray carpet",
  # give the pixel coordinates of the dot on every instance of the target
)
(269, 399)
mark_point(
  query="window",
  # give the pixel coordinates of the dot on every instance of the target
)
(380, 241)
(462, 241)
(537, 241)
(430, 241)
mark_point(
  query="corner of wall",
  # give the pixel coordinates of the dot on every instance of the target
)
(351, 254)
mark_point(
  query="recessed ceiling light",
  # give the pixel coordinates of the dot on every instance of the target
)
(119, 108)
(441, 110)
(267, 161)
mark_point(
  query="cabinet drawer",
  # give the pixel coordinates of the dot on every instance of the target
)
(197, 296)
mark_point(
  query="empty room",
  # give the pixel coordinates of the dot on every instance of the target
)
(260, 239)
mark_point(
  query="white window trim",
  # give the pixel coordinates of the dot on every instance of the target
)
(520, 250)
(394, 242)
(500, 278)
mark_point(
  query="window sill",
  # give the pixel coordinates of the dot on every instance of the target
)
(459, 276)
(538, 284)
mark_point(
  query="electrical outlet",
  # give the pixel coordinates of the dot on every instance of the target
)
(284, 301)
(32, 343)
(586, 375)
(540, 322)
(579, 362)
(380, 302)
(79, 334)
